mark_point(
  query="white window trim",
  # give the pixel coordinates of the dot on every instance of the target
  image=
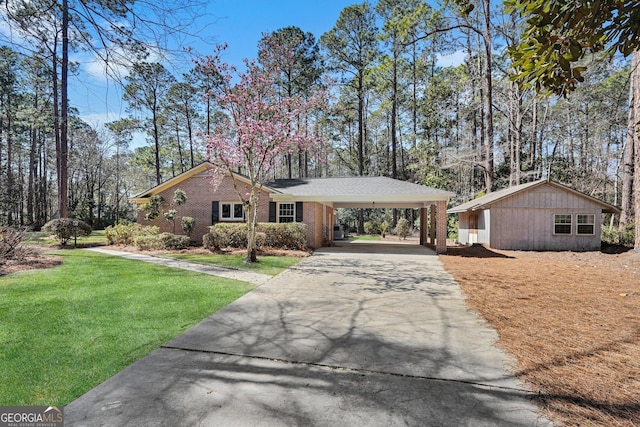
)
(592, 224)
(293, 216)
(554, 225)
(232, 211)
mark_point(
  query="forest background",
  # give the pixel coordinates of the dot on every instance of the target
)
(393, 110)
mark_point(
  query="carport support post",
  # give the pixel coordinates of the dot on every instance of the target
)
(432, 226)
(423, 226)
(441, 227)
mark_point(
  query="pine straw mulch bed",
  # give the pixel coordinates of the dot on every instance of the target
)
(31, 259)
(572, 322)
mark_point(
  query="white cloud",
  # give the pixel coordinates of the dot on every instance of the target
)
(451, 59)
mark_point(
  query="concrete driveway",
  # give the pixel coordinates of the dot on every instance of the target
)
(354, 335)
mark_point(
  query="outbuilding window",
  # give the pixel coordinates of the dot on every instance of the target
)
(562, 224)
(232, 211)
(586, 224)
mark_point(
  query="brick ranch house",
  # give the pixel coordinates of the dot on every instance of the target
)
(537, 216)
(311, 201)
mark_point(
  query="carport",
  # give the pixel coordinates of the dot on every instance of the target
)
(327, 194)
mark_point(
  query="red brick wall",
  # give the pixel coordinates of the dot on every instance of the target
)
(200, 195)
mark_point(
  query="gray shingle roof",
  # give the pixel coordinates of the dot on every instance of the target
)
(353, 186)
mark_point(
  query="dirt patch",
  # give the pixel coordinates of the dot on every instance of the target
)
(31, 260)
(572, 322)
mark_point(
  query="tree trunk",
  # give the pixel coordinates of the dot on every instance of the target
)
(63, 154)
(636, 147)
(629, 149)
(488, 98)
(156, 140)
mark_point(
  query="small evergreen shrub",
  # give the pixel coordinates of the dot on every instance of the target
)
(402, 228)
(372, 227)
(169, 241)
(188, 224)
(615, 236)
(162, 241)
(291, 235)
(125, 234)
(147, 243)
(66, 228)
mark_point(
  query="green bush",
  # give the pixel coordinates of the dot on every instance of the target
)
(147, 243)
(291, 235)
(67, 228)
(188, 224)
(162, 241)
(402, 228)
(125, 234)
(615, 236)
(372, 227)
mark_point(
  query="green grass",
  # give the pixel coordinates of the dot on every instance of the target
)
(65, 330)
(41, 238)
(364, 237)
(270, 265)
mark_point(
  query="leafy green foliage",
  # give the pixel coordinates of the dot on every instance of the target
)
(291, 235)
(125, 234)
(162, 241)
(560, 33)
(402, 228)
(67, 228)
(188, 224)
(615, 236)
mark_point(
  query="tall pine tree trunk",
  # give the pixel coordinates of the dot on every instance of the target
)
(63, 154)
(629, 149)
(635, 85)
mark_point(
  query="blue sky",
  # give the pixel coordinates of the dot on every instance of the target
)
(240, 23)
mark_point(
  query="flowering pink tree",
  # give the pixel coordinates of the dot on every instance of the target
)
(258, 128)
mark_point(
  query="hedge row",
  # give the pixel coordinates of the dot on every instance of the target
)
(291, 235)
(144, 238)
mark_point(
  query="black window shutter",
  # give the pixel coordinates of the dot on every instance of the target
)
(215, 212)
(299, 212)
(272, 211)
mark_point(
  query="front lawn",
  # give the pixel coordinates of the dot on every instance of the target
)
(365, 237)
(266, 264)
(65, 330)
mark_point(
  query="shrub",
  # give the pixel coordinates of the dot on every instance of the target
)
(125, 234)
(372, 227)
(11, 242)
(402, 228)
(66, 228)
(188, 224)
(291, 235)
(162, 241)
(615, 236)
(211, 240)
(171, 241)
(147, 243)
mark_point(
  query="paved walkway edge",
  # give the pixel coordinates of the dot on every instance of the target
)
(229, 273)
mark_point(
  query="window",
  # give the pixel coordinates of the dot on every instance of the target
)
(286, 212)
(232, 212)
(586, 224)
(562, 224)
